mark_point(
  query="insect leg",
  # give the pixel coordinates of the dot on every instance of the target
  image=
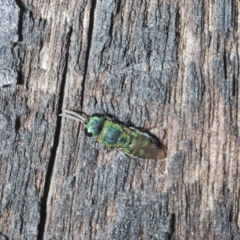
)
(124, 154)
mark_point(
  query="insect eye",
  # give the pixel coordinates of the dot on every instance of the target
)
(89, 134)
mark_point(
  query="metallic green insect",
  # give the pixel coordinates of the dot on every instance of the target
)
(130, 141)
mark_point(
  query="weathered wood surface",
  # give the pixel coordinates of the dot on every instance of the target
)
(168, 66)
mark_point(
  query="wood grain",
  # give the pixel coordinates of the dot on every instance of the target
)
(169, 67)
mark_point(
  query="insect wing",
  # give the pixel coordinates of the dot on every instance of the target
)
(146, 146)
(154, 151)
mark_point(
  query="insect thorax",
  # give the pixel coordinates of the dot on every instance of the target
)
(114, 135)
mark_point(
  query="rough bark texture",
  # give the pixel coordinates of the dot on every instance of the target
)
(171, 67)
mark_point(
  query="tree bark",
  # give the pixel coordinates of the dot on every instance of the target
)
(169, 67)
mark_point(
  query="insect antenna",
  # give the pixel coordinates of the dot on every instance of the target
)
(73, 115)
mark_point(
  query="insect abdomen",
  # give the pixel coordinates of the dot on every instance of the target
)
(144, 146)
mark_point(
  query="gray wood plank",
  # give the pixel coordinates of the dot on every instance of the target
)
(169, 67)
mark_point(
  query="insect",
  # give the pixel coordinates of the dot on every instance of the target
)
(130, 141)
